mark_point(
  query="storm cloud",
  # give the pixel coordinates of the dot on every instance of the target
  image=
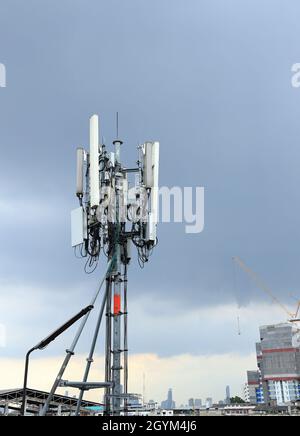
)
(211, 81)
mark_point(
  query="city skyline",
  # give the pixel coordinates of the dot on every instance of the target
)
(212, 82)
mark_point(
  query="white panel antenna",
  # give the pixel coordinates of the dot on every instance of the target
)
(153, 217)
(94, 162)
(150, 180)
(78, 226)
(79, 172)
(148, 165)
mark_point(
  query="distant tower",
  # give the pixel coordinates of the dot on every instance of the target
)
(209, 402)
(191, 403)
(170, 399)
(227, 395)
(168, 403)
(198, 403)
(144, 388)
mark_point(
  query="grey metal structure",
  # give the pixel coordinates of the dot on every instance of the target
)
(11, 403)
(111, 217)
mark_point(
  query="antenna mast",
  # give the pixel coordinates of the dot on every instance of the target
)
(111, 218)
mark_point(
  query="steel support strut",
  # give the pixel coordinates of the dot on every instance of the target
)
(92, 350)
(70, 352)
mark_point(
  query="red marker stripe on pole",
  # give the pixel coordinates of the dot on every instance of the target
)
(117, 304)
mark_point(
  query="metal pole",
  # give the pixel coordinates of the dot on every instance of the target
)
(107, 397)
(125, 342)
(70, 351)
(92, 350)
(116, 368)
(23, 407)
(45, 342)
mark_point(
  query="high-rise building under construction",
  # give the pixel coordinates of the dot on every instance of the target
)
(278, 359)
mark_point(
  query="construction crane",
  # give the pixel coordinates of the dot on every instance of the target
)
(293, 317)
(239, 326)
(298, 305)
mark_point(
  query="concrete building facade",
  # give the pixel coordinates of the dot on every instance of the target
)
(278, 360)
(253, 391)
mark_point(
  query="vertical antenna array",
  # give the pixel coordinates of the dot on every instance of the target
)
(112, 217)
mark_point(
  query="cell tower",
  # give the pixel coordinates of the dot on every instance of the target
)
(112, 217)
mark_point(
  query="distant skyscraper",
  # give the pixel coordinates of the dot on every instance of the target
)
(198, 402)
(208, 403)
(191, 403)
(227, 400)
(168, 403)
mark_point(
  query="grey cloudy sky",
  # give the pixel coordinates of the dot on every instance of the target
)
(211, 80)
